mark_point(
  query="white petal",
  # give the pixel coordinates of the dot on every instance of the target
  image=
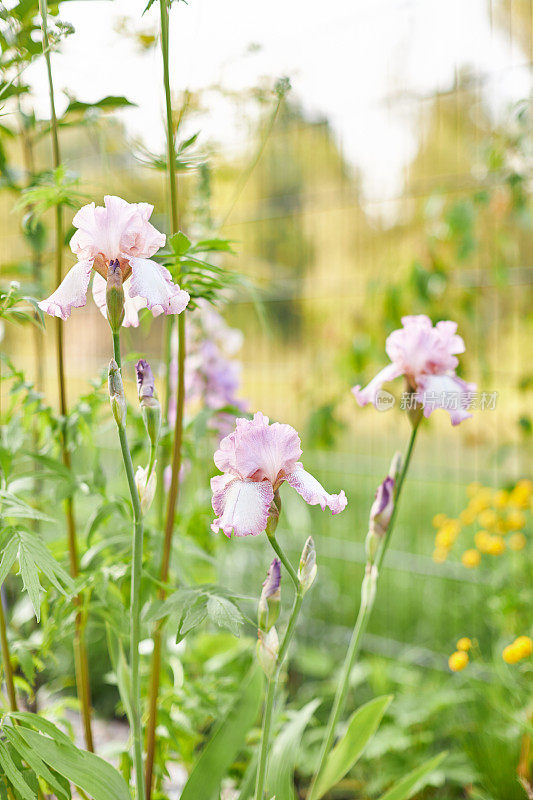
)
(447, 392)
(313, 492)
(369, 393)
(241, 506)
(71, 292)
(154, 283)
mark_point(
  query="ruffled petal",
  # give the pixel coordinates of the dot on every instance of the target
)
(447, 392)
(313, 492)
(71, 292)
(132, 305)
(369, 393)
(153, 282)
(242, 507)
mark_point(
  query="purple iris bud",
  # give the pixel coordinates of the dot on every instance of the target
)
(382, 508)
(269, 602)
(145, 379)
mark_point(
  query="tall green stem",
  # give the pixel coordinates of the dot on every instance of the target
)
(273, 681)
(178, 427)
(365, 609)
(81, 660)
(6, 661)
(135, 596)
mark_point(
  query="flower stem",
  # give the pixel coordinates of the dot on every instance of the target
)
(283, 558)
(273, 681)
(135, 597)
(271, 694)
(6, 660)
(365, 609)
(178, 427)
(81, 660)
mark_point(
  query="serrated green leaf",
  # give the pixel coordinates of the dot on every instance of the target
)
(13, 775)
(361, 727)
(180, 243)
(280, 779)
(192, 617)
(224, 613)
(8, 558)
(225, 743)
(406, 786)
(30, 580)
(34, 761)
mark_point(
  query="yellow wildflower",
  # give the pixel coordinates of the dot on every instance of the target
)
(482, 540)
(515, 521)
(517, 541)
(458, 661)
(444, 539)
(471, 558)
(467, 516)
(524, 645)
(496, 546)
(439, 520)
(488, 519)
(510, 654)
(521, 495)
(481, 500)
(500, 498)
(464, 644)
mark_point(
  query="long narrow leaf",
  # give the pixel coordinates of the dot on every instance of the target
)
(35, 762)
(221, 750)
(13, 775)
(406, 787)
(87, 771)
(361, 727)
(280, 781)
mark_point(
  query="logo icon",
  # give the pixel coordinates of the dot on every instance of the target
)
(384, 400)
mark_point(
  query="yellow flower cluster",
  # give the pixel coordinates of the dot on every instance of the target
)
(498, 515)
(522, 647)
(459, 660)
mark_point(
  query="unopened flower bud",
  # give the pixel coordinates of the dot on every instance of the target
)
(267, 651)
(382, 508)
(114, 296)
(368, 587)
(307, 568)
(116, 393)
(269, 602)
(146, 488)
(396, 467)
(150, 407)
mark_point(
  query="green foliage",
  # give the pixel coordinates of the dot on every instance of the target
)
(361, 727)
(14, 307)
(414, 781)
(52, 750)
(226, 741)
(280, 779)
(51, 189)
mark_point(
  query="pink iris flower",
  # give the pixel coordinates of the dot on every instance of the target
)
(255, 459)
(118, 231)
(426, 355)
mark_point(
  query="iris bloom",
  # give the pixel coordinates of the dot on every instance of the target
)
(426, 355)
(118, 231)
(256, 459)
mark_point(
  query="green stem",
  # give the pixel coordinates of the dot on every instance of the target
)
(283, 558)
(271, 693)
(6, 660)
(81, 660)
(365, 610)
(135, 601)
(180, 405)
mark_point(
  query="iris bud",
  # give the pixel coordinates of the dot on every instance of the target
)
(146, 488)
(116, 393)
(267, 651)
(307, 568)
(114, 296)
(269, 602)
(150, 407)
